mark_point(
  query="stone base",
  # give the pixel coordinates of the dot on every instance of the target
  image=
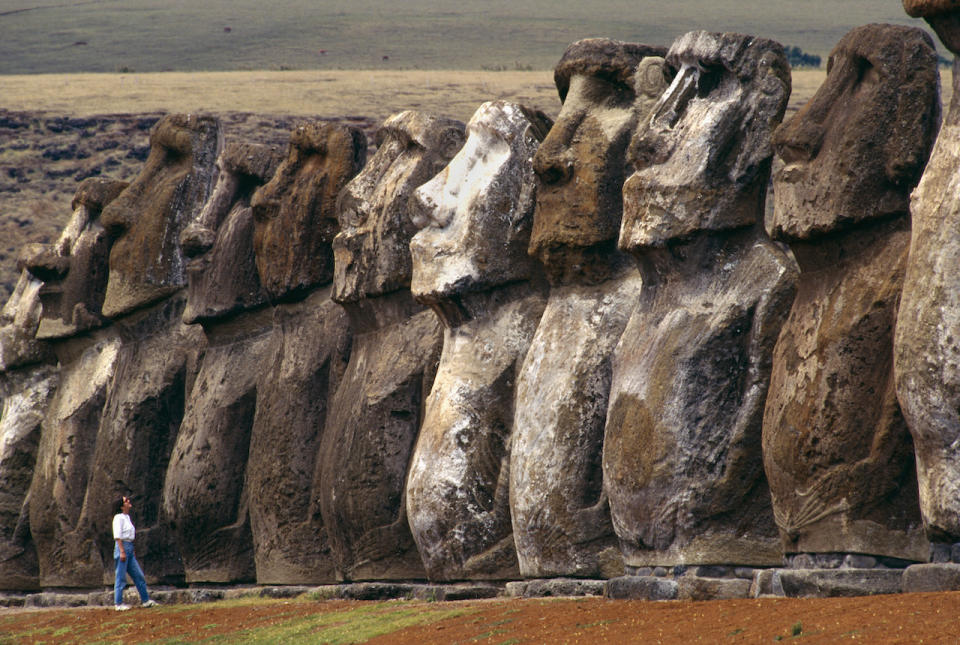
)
(641, 588)
(553, 587)
(931, 577)
(826, 583)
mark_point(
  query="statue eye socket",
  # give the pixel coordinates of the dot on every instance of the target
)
(708, 80)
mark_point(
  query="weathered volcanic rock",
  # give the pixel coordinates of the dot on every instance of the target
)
(146, 261)
(74, 269)
(927, 340)
(25, 390)
(305, 362)
(376, 412)
(296, 211)
(561, 519)
(682, 452)
(222, 276)
(67, 555)
(205, 497)
(837, 451)
(470, 264)
(307, 356)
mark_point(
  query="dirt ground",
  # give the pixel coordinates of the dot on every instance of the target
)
(905, 618)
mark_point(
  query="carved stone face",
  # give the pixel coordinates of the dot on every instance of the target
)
(581, 163)
(146, 261)
(74, 269)
(372, 249)
(702, 157)
(294, 214)
(858, 147)
(222, 273)
(475, 216)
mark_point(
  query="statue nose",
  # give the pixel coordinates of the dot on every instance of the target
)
(552, 163)
(43, 263)
(798, 141)
(196, 240)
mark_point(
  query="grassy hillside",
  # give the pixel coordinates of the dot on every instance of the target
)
(46, 36)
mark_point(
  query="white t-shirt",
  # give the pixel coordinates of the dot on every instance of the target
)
(123, 527)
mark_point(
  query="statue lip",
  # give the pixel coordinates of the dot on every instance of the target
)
(791, 173)
(198, 265)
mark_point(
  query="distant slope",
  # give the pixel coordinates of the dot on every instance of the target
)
(45, 36)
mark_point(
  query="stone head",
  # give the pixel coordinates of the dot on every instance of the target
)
(702, 157)
(294, 214)
(475, 216)
(372, 249)
(942, 15)
(74, 269)
(146, 260)
(222, 274)
(581, 164)
(859, 146)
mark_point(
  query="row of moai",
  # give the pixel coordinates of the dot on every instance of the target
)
(514, 348)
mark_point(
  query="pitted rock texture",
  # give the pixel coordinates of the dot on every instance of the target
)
(74, 269)
(942, 15)
(560, 514)
(376, 411)
(24, 396)
(204, 490)
(295, 213)
(682, 449)
(470, 264)
(66, 553)
(308, 354)
(703, 158)
(222, 277)
(837, 450)
(146, 260)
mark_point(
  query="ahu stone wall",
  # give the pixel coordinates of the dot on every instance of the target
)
(513, 348)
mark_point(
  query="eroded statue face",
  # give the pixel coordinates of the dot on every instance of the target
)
(74, 269)
(222, 274)
(475, 216)
(858, 147)
(146, 260)
(942, 15)
(19, 320)
(372, 249)
(295, 213)
(703, 155)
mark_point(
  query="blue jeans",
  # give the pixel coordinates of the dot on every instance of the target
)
(131, 566)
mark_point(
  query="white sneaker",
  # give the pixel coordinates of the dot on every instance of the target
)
(149, 603)
(121, 607)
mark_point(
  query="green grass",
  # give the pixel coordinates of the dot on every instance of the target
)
(183, 35)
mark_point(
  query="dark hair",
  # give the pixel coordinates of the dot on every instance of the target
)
(118, 504)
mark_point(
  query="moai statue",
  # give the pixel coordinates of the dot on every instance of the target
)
(74, 275)
(836, 449)
(561, 518)
(156, 360)
(204, 496)
(470, 264)
(27, 381)
(375, 414)
(308, 352)
(927, 338)
(682, 461)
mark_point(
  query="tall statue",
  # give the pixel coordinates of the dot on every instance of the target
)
(28, 379)
(470, 265)
(375, 414)
(74, 278)
(204, 494)
(836, 447)
(927, 339)
(157, 357)
(561, 519)
(307, 355)
(682, 453)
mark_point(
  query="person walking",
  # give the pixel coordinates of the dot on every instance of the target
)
(126, 561)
